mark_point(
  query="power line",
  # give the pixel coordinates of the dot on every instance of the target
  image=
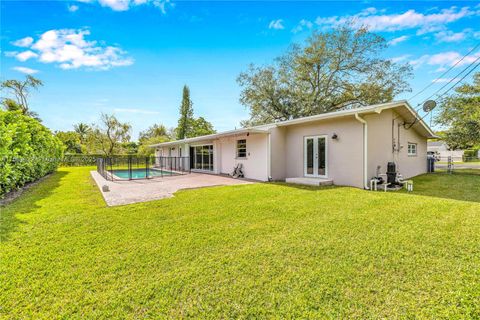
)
(454, 78)
(449, 89)
(443, 74)
(455, 84)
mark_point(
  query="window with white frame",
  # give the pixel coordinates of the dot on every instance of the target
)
(241, 148)
(412, 149)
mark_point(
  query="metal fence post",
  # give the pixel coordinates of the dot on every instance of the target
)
(146, 167)
(129, 165)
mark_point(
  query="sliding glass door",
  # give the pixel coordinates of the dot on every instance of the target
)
(315, 156)
(202, 157)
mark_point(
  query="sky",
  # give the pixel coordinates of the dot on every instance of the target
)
(132, 57)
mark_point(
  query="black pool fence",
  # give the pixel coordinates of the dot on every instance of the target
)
(134, 167)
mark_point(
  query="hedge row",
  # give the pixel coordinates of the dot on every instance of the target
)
(28, 150)
(78, 160)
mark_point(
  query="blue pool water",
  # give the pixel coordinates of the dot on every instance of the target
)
(140, 173)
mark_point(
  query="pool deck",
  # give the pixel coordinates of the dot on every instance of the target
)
(133, 191)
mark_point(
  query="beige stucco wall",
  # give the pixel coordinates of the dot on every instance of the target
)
(255, 165)
(278, 153)
(380, 145)
(344, 155)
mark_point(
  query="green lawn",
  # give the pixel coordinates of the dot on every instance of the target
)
(249, 251)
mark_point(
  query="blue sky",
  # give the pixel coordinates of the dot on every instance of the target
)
(132, 57)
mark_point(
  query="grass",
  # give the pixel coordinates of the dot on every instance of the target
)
(248, 251)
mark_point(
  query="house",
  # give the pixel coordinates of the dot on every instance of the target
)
(345, 147)
(441, 150)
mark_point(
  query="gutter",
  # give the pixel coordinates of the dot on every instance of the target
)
(365, 150)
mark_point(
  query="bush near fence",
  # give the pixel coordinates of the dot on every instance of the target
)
(470, 155)
(28, 150)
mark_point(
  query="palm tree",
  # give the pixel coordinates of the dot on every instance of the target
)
(82, 129)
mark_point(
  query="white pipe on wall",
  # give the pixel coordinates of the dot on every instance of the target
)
(365, 150)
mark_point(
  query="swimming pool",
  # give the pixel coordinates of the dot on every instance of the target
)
(141, 174)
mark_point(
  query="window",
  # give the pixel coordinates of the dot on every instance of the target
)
(241, 148)
(412, 149)
(203, 157)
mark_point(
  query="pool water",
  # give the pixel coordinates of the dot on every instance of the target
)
(140, 173)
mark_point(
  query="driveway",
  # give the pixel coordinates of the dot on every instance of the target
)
(133, 191)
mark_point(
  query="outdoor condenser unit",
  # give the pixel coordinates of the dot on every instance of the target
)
(391, 173)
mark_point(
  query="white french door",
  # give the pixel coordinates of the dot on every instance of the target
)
(315, 156)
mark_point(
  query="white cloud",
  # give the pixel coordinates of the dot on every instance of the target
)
(25, 42)
(124, 5)
(133, 110)
(450, 36)
(117, 5)
(396, 41)
(162, 5)
(302, 25)
(442, 59)
(25, 55)
(443, 80)
(410, 19)
(276, 24)
(69, 49)
(25, 70)
(72, 8)
(400, 58)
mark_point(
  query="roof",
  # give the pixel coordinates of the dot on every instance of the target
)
(403, 108)
(436, 143)
(211, 136)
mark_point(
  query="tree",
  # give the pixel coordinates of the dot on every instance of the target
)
(334, 70)
(460, 114)
(71, 141)
(82, 129)
(109, 136)
(130, 147)
(201, 127)
(12, 105)
(155, 134)
(144, 148)
(157, 130)
(20, 90)
(186, 115)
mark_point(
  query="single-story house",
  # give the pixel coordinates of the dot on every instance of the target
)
(345, 147)
(443, 151)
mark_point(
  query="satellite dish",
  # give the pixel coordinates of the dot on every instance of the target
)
(429, 105)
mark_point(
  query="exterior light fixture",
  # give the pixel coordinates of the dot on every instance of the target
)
(334, 136)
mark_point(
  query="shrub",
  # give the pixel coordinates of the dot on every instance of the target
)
(28, 150)
(470, 155)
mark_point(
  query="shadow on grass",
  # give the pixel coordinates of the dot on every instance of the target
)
(26, 203)
(463, 185)
(305, 187)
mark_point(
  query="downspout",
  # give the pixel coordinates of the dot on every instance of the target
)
(365, 150)
(269, 157)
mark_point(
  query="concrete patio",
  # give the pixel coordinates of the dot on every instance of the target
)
(133, 191)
